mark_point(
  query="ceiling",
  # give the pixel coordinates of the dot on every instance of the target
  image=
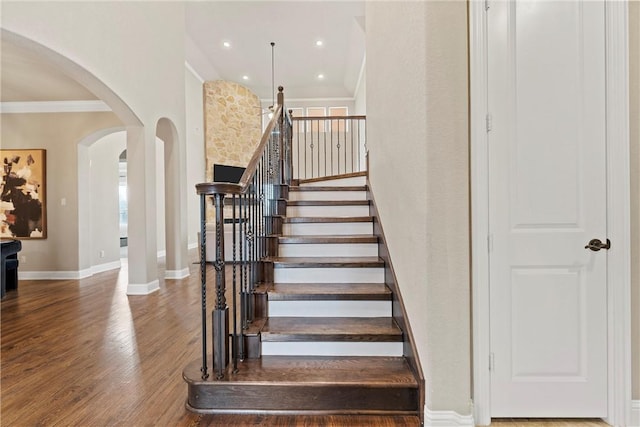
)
(21, 68)
(249, 27)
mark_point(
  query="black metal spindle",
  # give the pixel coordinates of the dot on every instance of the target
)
(221, 312)
(234, 342)
(203, 283)
(241, 235)
(245, 265)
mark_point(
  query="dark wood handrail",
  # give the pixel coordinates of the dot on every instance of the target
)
(247, 176)
(328, 117)
(210, 188)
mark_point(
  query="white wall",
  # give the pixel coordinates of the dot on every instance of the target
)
(59, 134)
(417, 106)
(131, 55)
(104, 169)
(360, 103)
(634, 138)
(195, 152)
(160, 198)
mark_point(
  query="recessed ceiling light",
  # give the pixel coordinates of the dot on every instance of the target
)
(319, 43)
(245, 77)
(226, 44)
(320, 76)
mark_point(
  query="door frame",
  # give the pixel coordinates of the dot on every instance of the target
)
(618, 208)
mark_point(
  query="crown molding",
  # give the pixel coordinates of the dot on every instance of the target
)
(193, 71)
(95, 106)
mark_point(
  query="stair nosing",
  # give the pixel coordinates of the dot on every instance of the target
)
(326, 262)
(329, 188)
(328, 219)
(327, 329)
(328, 239)
(328, 203)
(328, 292)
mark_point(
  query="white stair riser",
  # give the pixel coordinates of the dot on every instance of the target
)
(327, 228)
(313, 348)
(327, 195)
(329, 275)
(327, 249)
(354, 180)
(328, 211)
(330, 308)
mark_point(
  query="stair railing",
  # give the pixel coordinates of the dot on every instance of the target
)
(328, 145)
(255, 222)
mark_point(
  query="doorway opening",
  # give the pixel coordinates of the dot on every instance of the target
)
(122, 203)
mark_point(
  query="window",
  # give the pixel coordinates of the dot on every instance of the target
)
(316, 112)
(339, 125)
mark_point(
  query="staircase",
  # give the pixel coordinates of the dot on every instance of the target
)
(330, 342)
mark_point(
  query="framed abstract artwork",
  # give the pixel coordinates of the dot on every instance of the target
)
(23, 213)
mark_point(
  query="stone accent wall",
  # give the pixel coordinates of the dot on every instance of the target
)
(232, 126)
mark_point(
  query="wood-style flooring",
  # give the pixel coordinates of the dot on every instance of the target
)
(83, 353)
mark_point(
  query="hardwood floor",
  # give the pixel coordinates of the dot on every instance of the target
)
(83, 353)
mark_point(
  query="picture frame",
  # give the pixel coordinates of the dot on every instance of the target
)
(23, 207)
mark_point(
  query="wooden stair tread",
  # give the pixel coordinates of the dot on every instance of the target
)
(317, 370)
(326, 262)
(328, 203)
(355, 329)
(336, 238)
(332, 177)
(307, 384)
(328, 291)
(332, 219)
(330, 188)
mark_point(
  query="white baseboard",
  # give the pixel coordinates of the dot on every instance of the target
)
(446, 419)
(634, 419)
(176, 274)
(64, 275)
(105, 267)
(53, 275)
(143, 288)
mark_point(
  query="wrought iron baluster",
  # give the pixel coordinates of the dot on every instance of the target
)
(234, 342)
(220, 313)
(241, 241)
(203, 283)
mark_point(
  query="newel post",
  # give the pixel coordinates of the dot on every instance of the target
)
(220, 314)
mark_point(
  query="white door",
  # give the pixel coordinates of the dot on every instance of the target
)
(547, 201)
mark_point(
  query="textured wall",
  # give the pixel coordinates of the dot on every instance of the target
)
(232, 126)
(634, 137)
(418, 123)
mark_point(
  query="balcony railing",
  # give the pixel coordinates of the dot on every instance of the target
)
(328, 145)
